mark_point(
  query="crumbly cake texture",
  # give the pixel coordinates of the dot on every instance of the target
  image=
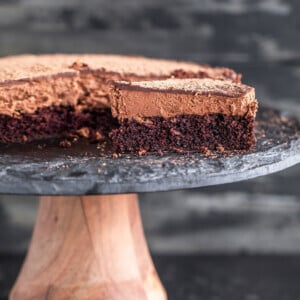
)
(57, 121)
(35, 90)
(184, 133)
(182, 115)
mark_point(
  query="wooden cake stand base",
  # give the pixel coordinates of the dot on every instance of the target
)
(86, 248)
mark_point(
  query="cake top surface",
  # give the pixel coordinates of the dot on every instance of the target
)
(24, 67)
(203, 86)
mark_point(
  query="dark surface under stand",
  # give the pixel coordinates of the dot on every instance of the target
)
(91, 169)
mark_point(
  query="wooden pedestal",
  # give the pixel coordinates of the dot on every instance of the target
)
(88, 248)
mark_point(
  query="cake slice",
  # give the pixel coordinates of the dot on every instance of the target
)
(182, 115)
(45, 96)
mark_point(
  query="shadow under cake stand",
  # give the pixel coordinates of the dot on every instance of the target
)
(93, 247)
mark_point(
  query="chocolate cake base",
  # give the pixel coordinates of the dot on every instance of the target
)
(155, 134)
(57, 121)
(184, 133)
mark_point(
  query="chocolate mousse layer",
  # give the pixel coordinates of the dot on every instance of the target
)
(30, 82)
(172, 97)
(183, 115)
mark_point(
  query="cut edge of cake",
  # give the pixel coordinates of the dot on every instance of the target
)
(183, 115)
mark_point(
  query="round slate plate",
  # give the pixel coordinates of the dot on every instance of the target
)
(87, 169)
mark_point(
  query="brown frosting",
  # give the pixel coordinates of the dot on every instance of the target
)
(28, 82)
(171, 97)
(30, 66)
(27, 96)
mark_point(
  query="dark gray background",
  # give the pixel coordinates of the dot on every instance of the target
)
(259, 38)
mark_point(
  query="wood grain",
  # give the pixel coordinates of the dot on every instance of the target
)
(90, 247)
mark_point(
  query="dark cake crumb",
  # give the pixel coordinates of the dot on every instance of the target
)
(71, 136)
(205, 151)
(65, 144)
(84, 132)
(96, 136)
(142, 152)
(116, 155)
(24, 138)
(220, 148)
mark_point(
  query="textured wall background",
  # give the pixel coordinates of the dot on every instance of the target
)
(260, 38)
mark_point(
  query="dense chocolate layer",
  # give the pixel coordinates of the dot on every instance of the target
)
(185, 132)
(171, 97)
(56, 121)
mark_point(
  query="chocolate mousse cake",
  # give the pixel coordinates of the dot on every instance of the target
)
(45, 96)
(183, 115)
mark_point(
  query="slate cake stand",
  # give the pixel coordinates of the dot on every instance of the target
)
(93, 247)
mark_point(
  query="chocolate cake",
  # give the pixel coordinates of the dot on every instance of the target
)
(182, 115)
(51, 95)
